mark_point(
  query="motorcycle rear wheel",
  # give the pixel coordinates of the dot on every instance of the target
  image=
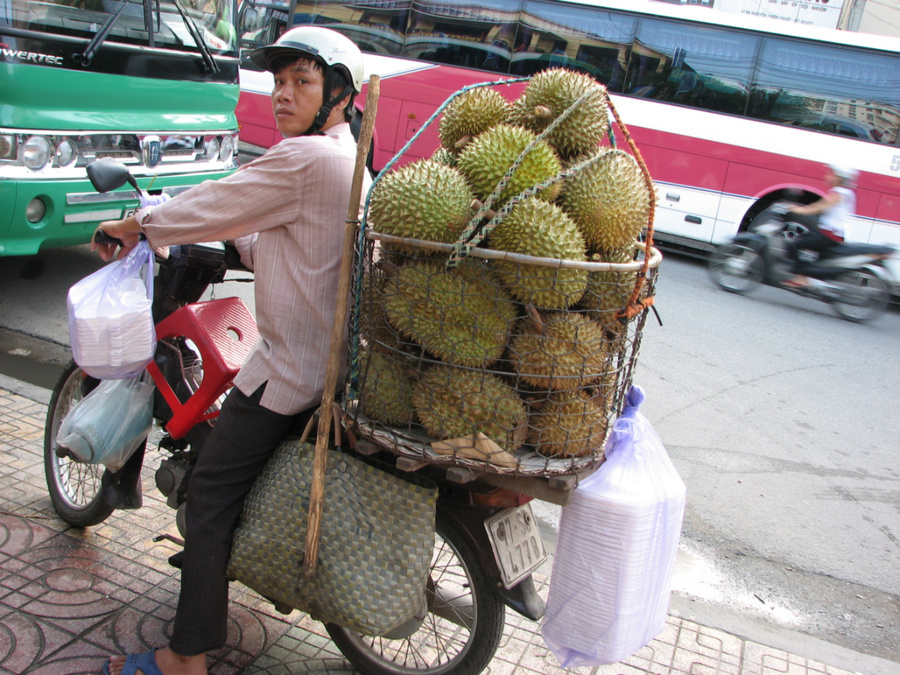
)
(737, 268)
(461, 631)
(867, 296)
(74, 486)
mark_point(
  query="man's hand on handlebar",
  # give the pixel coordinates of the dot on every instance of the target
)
(119, 233)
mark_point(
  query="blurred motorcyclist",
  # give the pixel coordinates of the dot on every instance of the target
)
(826, 219)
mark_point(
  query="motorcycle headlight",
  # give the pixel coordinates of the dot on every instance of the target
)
(37, 153)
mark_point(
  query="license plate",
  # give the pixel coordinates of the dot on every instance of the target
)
(516, 540)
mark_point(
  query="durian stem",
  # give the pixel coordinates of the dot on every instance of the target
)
(535, 318)
(462, 142)
(542, 112)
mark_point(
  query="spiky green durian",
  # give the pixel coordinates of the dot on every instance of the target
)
(608, 292)
(444, 156)
(549, 94)
(563, 350)
(609, 200)
(538, 228)
(487, 158)
(469, 114)
(423, 200)
(375, 331)
(456, 402)
(460, 315)
(569, 424)
(386, 392)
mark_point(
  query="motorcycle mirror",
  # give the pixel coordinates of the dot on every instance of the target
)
(108, 174)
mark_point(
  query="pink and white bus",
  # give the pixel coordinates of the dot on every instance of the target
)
(729, 112)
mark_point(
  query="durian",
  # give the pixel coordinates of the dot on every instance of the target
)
(609, 200)
(374, 328)
(608, 292)
(549, 94)
(444, 156)
(387, 392)
(469, 114)
(456, 402)
(423, 200)
(460, 315)
(537, 228)
(570, 423)
(560, 350)
(485, 161)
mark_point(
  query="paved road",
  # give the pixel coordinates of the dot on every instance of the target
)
(782, 419)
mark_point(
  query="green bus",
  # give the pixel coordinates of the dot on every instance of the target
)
(152, 83)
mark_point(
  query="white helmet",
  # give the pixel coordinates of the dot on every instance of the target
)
(333, 49)
(844, 173)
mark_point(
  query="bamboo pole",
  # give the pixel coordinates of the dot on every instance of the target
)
(317, 489)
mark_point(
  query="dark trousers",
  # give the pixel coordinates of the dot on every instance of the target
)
(811, 240)
(243, 438)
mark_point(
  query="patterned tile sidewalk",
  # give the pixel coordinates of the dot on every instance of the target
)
(69, 597)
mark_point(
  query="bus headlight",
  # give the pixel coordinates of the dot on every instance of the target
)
(35, 210)
(227, 149)
(211, 148)
(37, 153)
(7, 146)
(66, 153)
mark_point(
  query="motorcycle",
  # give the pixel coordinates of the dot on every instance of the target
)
(851, 277)
(469, 586)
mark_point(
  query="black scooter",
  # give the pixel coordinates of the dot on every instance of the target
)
(468, 589)
(850, 277)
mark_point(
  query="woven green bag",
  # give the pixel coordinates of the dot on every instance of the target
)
(375, 546)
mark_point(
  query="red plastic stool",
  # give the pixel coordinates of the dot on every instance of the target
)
(224, 331)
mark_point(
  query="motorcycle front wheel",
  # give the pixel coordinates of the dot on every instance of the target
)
(459, 634)
(863, 296)
(737, 268)
(74, 486)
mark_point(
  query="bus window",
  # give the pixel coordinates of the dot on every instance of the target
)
(377, 28)
(590, 40)
(262, 23)
(692, 65)
(473, 36)
(828, 88)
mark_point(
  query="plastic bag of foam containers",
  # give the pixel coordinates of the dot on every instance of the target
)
(615, 555)
(111, 327)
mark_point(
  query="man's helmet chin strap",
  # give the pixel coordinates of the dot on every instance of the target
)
(325, 110)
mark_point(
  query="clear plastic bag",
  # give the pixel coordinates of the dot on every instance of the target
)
(108, 425)
(615, 555)
(110, 317)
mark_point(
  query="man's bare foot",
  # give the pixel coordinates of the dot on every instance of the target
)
(163, 661)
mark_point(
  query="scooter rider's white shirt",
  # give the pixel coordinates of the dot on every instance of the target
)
(834, 221)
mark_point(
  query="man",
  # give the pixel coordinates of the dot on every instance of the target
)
(826, 219)
(286, 213)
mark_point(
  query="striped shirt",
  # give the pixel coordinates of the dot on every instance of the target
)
(286, 212)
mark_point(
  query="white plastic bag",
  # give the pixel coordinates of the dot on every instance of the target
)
(615, 555)
(108, 425)
(110, 317)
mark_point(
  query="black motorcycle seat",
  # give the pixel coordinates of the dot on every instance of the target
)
(853, 248)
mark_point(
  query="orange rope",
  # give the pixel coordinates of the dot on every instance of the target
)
(634, 305)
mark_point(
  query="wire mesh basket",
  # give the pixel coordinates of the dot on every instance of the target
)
(498, 361)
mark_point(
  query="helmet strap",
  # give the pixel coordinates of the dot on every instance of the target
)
(325, 111)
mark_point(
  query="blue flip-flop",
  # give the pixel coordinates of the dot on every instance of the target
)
(144, 662)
